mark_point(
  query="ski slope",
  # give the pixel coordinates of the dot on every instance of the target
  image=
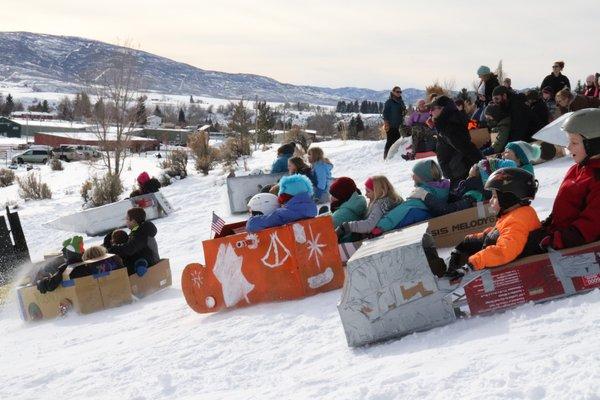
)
(159, 348)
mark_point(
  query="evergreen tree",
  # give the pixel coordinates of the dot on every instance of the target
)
(191, 99)
(181, 117)
(360, 126)
(141, 116)
(45, 108)
(157, 111)
(77, 111)
(265, 121)
(578, 88)
(86, 105)
(381, 106)
(352, 132)
(9, 106)
(356, 107)
(463, 94)
(100, 110)
(65, 109)
(240, 125)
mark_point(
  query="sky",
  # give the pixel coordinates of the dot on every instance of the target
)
(372, 44)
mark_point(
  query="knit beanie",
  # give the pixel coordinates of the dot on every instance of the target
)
(532, 95)
(548, 89)
(73, 249)
(524, 151)
(369, 184)
(143, 178)
(483, 70)
(295, 185)
(496, 112)
(499, 90)
(343, 188)
(422, 169)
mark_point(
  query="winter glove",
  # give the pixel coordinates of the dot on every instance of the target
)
(376, 232)
(460, 271)
(488, 151)
(141, 267)
(419, 193)
(343, 229)
(456, 265)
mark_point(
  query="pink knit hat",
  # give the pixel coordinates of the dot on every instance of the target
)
(369, 184)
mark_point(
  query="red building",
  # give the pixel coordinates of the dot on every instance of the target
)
(55, 139)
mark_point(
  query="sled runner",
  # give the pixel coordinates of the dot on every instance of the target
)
(92, 286)
(283, 263)
(100, 220)
(390, 291)
(240, 189)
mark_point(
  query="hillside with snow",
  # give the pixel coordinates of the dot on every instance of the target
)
(158, 348)
(66, 64)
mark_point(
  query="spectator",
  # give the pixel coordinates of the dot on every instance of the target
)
(522, 121)
(146, 185)
(591, 88)
(556, 80)
(321, 171)
(499, 122)
(539, 109)
(487, 83)
(284, 153)
(507, 83)
(347, 205)
(548, 97)
(393, 116)
(568, 101)
(423, 138)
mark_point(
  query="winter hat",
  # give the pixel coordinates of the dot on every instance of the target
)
(590, 78)
(532, 95)
(525, 152)
(143, 178)
(489, 165)
(343, 188)
(441, 101)
(73, 249)
(500, 90)
(369, 184)
(548, 151)
(422, 169)
(496, 112)
(548, 89)
(483, 70)
(294, 185)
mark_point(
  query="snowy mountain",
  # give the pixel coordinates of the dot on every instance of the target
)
(65, 64)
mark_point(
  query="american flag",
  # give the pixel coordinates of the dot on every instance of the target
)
(217, 224)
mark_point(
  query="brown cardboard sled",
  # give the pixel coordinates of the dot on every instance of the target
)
(156, 278)
(480, 137)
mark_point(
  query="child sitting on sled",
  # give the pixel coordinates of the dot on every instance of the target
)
(347, 205)
(50, 276)
(321, 172)
(427, 177)
(523, 154)
(512, 192)
(382, 198)
(295, 198)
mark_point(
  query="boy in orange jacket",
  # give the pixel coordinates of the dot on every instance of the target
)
(512, 192)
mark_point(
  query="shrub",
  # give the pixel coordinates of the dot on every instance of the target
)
(230, 151)
(176, 164)
(32, 188)
(7, 177)
(205, 156)
(56, 165)
(100, 191)
(164, 179)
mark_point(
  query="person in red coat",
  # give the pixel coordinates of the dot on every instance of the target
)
(575, 218)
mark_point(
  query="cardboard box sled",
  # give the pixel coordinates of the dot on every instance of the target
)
(447, 230)
(100, 220)
(284, 263)
(92, 286)
(390, 291)
(240, 189)
(480, 137)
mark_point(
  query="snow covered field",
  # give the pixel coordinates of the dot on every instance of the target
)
(159, 348)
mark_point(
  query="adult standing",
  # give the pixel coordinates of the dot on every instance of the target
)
(487, 83)
(393, 117)
(455, 151)
(556, 80)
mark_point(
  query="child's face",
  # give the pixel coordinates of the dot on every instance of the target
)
(292, 168)
(510, 155)
(494, 203)
(370, 194)
(311, 159)
(576, 147)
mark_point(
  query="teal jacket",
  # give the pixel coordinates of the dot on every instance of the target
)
(401, 215)
(353, 209)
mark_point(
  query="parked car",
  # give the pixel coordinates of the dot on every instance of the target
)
(33, 156)
(68, 153)
(87, 151)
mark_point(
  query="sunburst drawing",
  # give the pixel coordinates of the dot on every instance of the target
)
(315, 247)
(197, 279)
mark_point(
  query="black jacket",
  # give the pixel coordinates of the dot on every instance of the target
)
(393, 111)
(523, 122)
(455, 151)
(141, 245)
(556, 82)
(152, 186)
(541, 114)
(490, 85)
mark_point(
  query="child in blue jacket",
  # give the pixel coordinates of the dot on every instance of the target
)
(321, 168)
(295, 197)
(284, 153)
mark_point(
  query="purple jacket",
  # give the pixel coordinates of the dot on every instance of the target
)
(418, 118)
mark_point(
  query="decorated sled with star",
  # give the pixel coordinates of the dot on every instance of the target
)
(283, 263)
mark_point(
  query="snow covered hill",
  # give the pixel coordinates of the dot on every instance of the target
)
(65, 63)
(159, 348)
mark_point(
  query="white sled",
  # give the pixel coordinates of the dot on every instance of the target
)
(240, 189)
(552, 133)
(103, 219)
(400, 146)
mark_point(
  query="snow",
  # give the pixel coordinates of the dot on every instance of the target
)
(160, 348)
(51, 123)
(93, 136)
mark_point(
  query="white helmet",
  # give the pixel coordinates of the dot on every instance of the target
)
(264, 203)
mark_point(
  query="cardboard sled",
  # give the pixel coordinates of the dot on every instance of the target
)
(447, 230)
(390, 291)
(103, 219)
(92, 286)
(552, 133)
(480, 137)
(283, 263)
(240, 189)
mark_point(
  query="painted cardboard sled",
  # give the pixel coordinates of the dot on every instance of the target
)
(100, 220)
(283, 263)
(240, 189)
(447, 230)
(92, 286)
(390, 291)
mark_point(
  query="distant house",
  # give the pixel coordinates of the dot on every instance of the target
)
(23, 127)
(55, 139)
(37, 115)
(153, 121)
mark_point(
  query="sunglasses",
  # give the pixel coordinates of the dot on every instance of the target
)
(397, 92)
(556, 66)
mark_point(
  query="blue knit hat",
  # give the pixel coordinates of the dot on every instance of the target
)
(525, 152)
(422, 169)
(295, 184)
(483, 70)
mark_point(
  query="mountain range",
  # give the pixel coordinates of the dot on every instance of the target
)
(65, 63)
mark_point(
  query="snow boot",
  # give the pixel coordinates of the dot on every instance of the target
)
(436, 263)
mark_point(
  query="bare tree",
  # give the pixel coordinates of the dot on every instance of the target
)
(116, 89)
